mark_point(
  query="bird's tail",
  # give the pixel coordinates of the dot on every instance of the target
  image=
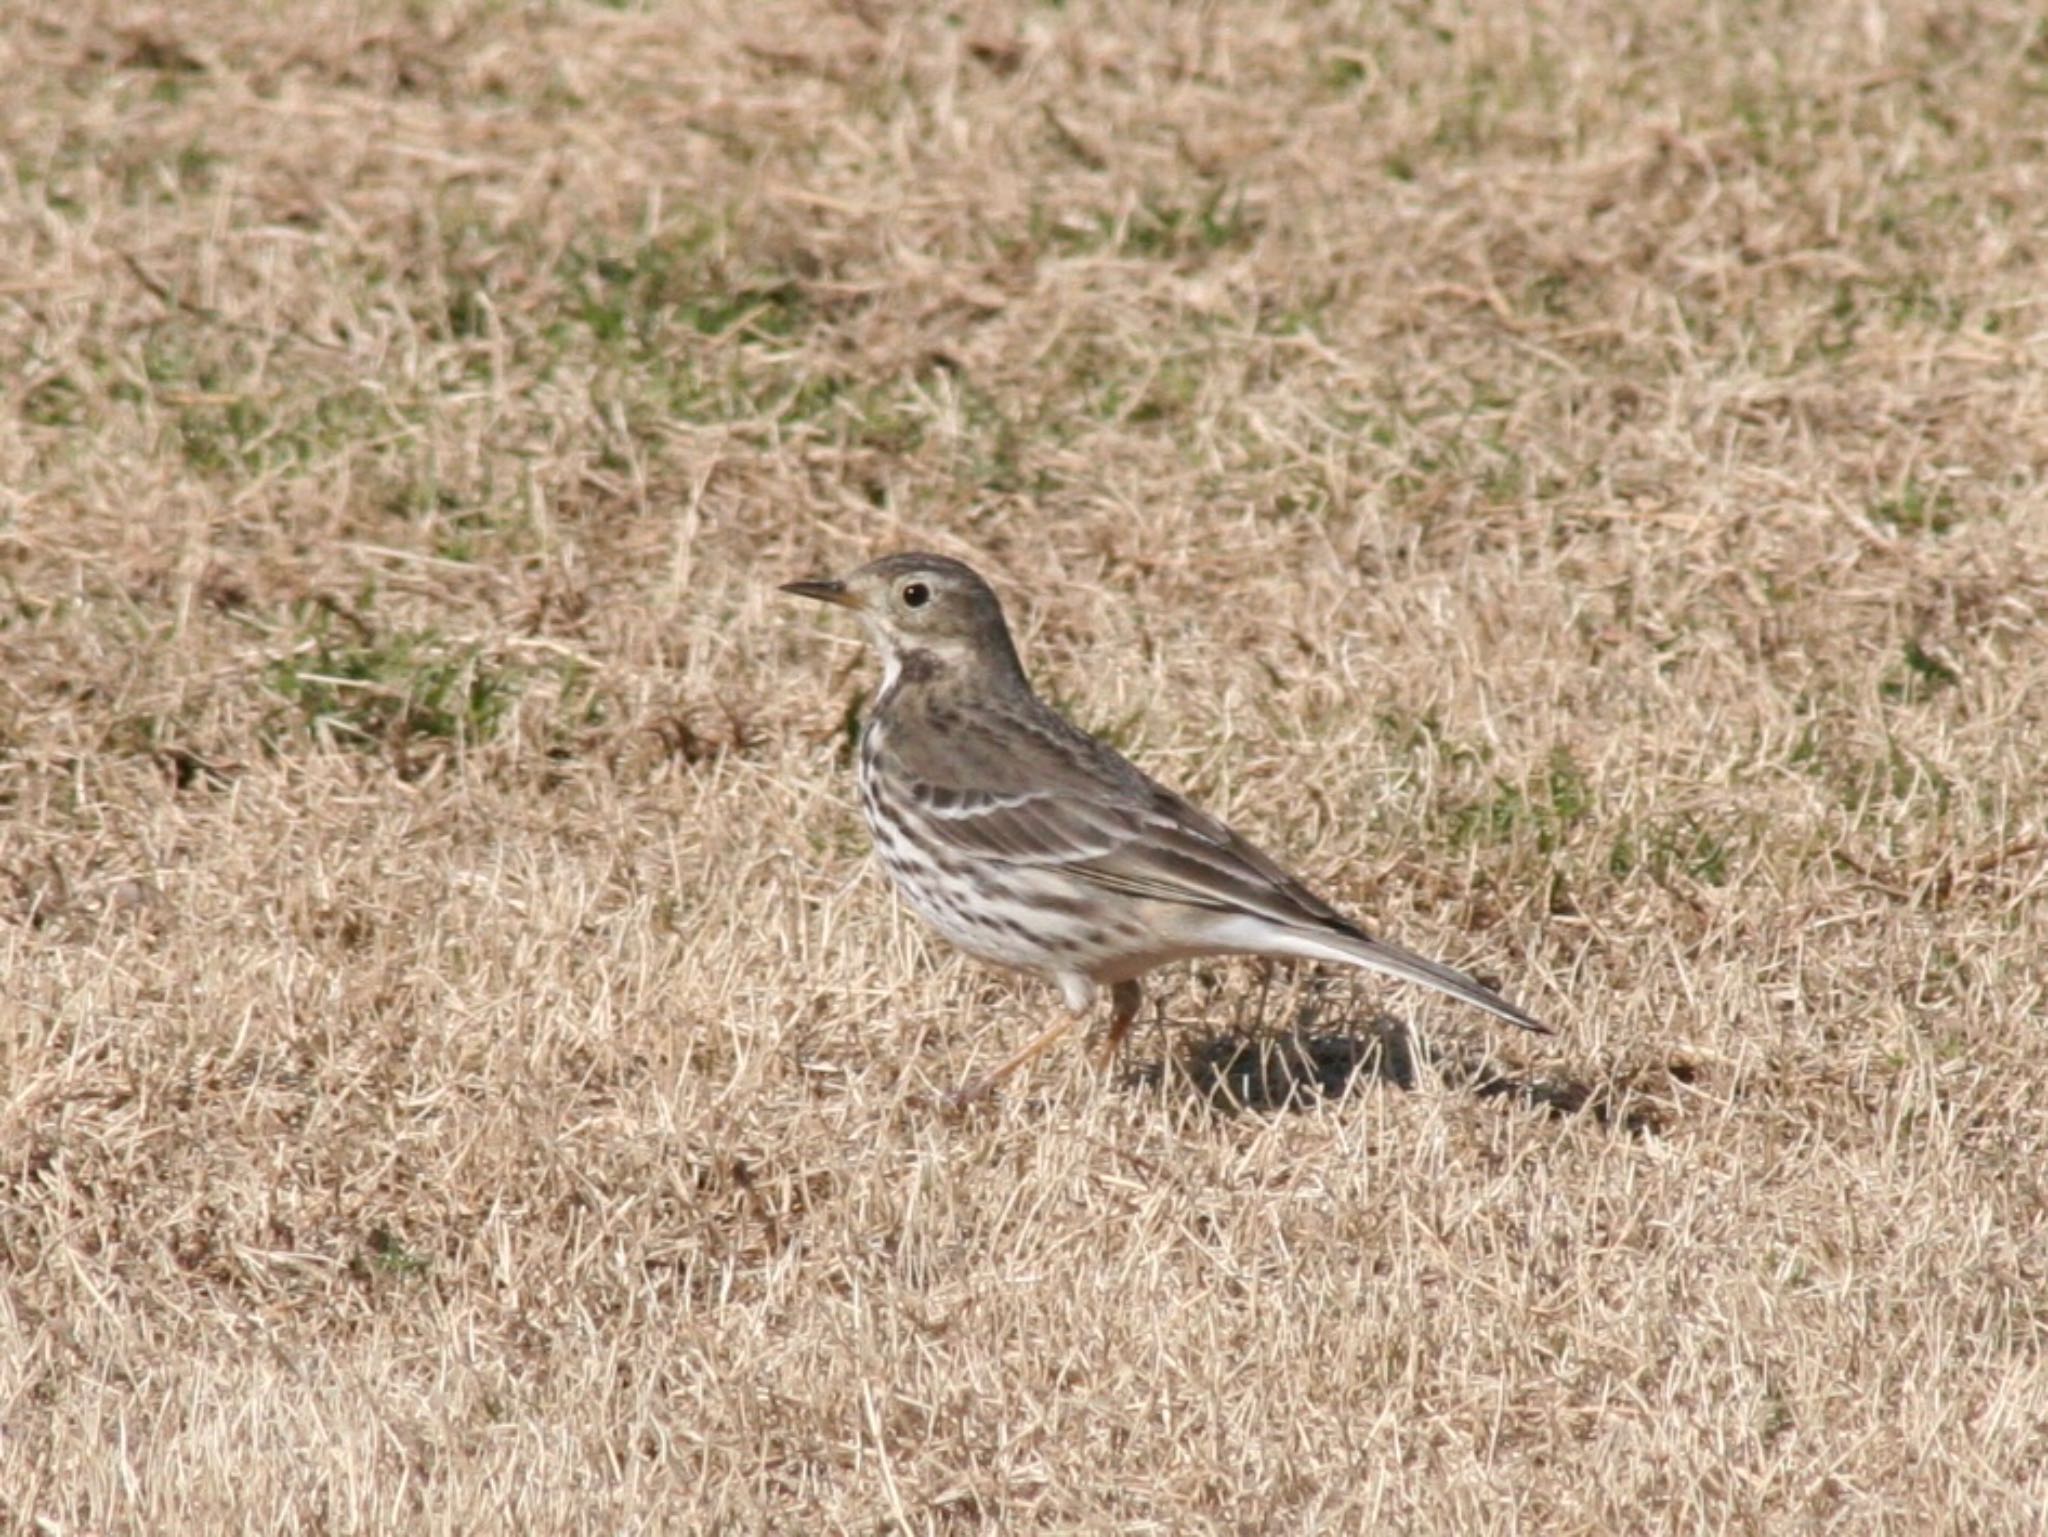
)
(1357, 948)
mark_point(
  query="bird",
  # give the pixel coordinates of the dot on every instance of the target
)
(1034, 846)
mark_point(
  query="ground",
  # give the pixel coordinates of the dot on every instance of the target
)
(1572, 481)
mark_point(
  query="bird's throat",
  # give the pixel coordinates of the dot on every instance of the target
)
(906, 669)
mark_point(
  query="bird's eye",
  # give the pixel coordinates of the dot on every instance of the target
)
(916, 595)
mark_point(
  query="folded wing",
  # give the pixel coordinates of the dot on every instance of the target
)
(1068, 802)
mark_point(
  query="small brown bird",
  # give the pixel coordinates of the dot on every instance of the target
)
(1032, 845)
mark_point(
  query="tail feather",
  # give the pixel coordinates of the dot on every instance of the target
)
(1259, 936)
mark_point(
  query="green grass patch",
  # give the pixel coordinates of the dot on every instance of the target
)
(1917, 508)
(1919, 677)
(1545, 808)
(393, 693)
(1686, 845)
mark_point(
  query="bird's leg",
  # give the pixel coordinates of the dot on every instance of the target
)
(986, 1084)
(1124, 998)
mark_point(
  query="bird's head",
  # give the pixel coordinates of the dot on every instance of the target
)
(925, 614)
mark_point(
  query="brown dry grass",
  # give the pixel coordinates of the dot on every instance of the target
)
(1575, 486)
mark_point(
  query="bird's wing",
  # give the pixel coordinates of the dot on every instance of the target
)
(1118, 829)
(1054, 798)
(1166, 850)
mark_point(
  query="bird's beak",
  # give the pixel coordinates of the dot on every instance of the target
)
(828, 591)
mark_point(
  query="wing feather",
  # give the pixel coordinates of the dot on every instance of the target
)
(1153, 845)
(1035, 793)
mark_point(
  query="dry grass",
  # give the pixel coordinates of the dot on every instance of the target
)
(1576, 487)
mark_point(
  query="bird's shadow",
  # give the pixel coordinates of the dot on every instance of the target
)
(1248, 1071)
